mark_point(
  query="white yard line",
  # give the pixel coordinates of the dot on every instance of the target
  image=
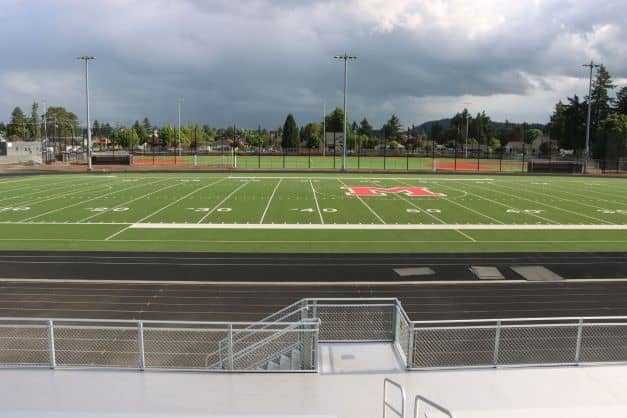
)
(381, 227)
(123, 204)
(161, 209)
(263, 216)
(551, 196)
(63, 194)
(548, 206)
(463, 234)
(615, 202)
(496, 202)
(41, 188)
(216, 207)
(313, 190)
(358, 178)
(365, 204)
(468, 208)
(81, 202)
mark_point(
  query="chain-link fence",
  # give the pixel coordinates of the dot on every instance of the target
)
(519, 342)
(381, 160)
(153, 345)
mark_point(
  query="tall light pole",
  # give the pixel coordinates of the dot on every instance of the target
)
(324, 129)
(86, 59)
(592, 66)
(466, 113)
(345, 58)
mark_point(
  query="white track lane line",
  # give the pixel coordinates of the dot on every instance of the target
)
(265, 211)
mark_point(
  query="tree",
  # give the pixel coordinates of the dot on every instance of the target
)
(494, 144)
(168, 136)
(290, 137)
(147, 126)
(127, 138)
(142, 134)
(436, 132)
(613, 142)
(18, 125)
(34, 122)
(311, 135)
(365, 128)
(392, 128)
(532, 135)
(335, 121)
(601, 102)
(63, 124)
(568, 124)
(620, 104)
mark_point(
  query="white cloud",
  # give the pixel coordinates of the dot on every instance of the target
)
(253, 61)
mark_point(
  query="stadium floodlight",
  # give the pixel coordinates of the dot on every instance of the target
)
(346, 58)
(592, 66)
(86, 59)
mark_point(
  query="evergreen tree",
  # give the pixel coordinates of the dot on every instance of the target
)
(365, 128)
(34, 122)
(392, 128)
(311, 135)
(601, 102)
(620, 104)
(290, 137)
(18, 125)
(147, 126)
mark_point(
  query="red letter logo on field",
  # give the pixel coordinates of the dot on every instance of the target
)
(369, 191)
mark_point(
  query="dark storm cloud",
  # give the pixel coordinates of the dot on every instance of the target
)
(251, 62)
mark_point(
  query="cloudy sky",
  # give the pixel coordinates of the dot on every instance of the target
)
(251, 61)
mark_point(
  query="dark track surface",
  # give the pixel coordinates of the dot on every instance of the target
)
(222, 302)
(295, 267)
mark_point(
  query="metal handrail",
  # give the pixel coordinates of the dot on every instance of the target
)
(432, 404)
(387, 405)
(539, 319)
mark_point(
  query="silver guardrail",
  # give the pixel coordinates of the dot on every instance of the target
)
(560, 341)
(150, 345)
(387, 405)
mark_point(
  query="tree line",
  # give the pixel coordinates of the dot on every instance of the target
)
(608, 122)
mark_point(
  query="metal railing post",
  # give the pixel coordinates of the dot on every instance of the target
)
(497, 341)
(411, 343)
(578, 346)
(140, 346)
(51, 352)
(230, 366)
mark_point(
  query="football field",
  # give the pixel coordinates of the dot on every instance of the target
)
(278, 212)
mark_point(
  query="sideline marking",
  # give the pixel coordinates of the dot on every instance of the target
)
(421, 227)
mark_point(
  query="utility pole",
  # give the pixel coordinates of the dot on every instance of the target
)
(591, 66)
(466, 113)
(86, 59)
(178, 102)
(345, 58)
